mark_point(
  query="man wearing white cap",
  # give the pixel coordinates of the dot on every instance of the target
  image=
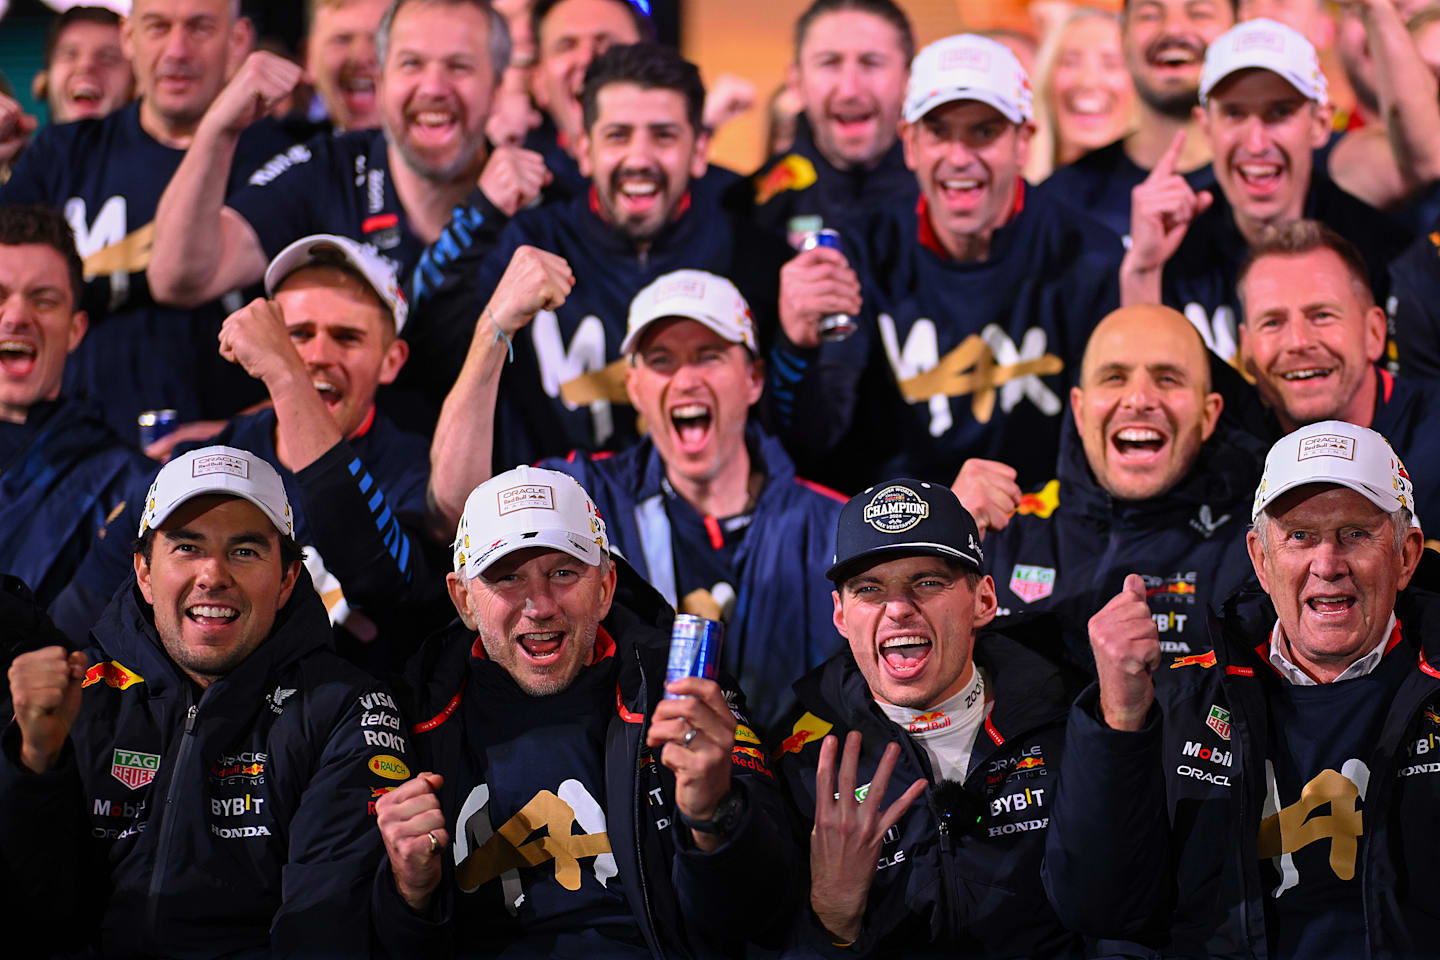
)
(204, 770)
(707, 506)
(1273, 797)
(541, 709)
(976, 303)
(1264, 108)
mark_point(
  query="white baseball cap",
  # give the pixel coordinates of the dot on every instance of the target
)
(968, 67)
(695, 295)
(1333, 451)
(328, 248)
(528, 507)
(1264, 45)
(223, 470)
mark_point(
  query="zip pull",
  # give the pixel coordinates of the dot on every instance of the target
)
(945, 832)
(190, 718)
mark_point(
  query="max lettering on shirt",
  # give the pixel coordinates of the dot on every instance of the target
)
(559, 363)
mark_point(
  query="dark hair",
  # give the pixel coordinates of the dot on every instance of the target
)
(290, 552)
(32, 223)
(106, 18)
(882, 9)
(644, 27)
(499, 36)
(1306, 236)
(650, 66)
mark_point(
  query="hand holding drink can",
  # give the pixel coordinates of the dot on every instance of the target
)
(694, 649)
(837, 326)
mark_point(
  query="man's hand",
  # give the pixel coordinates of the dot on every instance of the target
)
(255, 336)
(513, 177)
(988, 491)
(729, 96)
(15, 128)
(408, 816)
(702, 769)
(164, 448)
(845, 844)
(1161, 209)
(1126, 643)
(534, 280)
(816, 284)
(45, 688)
(263, 80)
(512, 115)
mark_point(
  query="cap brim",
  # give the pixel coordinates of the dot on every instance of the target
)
(586, 551)
(277, 522)
(1383, 500)
(847, 568)
(953, 94)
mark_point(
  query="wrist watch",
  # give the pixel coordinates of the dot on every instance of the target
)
(726, 818)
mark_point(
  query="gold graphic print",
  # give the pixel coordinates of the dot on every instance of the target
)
(970, 368)
(129, 255)
(1293, 827)
(507, 849)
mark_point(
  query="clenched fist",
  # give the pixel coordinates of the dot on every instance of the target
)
(408, 816)
(816, 284)
(262, 81)
(45, 688)
(988, 492)
(255, 336)
(1126, 644)
(513, 177)
(534, 280)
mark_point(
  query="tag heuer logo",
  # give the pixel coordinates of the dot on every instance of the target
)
(1032, 583)
(133, 769)
(1219, 721)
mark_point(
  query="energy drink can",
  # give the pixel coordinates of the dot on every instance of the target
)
(837, 326)
(155, 424)
(694, 649)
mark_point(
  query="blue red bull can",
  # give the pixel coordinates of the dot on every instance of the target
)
(837, 326)
(155, 424)
(694, 649)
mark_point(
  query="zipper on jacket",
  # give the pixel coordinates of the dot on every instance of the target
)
(167, 829)
(637, 820)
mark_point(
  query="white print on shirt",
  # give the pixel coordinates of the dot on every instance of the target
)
(559, 364)
(1218, 331)
(1285, 830)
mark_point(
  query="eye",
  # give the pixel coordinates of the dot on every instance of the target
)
(564, 573)
(660, 362)
(245, 553)
(1299, 536)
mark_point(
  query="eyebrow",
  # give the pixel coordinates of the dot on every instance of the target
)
(245, 538)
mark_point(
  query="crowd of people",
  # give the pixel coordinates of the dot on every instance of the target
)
(1049, 427)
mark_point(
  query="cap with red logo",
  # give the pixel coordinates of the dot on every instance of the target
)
(1336, 452)
(528, 507)
(968, 67)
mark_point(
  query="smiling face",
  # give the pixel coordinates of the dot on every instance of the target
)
(537, 612)
(695, 389)
(215, 579)
(435, 88)
(1329, 561)
(1144, 407)
(340, 61)
(1263, 132)
(641, 154)
(345, 336)
(182, 52)
(911, 625)
(573, 34)
(88, 74)
(1091, 90)
(967, 159)
(39, 326)
(1165, 42)
(1309, 338)
(851, 72)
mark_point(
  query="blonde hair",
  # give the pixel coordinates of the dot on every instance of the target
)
(1045, 144)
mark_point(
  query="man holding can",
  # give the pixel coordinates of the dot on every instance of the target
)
(929, 710)
(543, 710)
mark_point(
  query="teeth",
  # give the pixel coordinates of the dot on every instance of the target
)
(555, 637)
(434, 118)
(325, 386)
(1309, 374)
(852, 118)
(644, 189)
(84, 91)
(1173, 58)
(359, 84)
(17, 346)
(960, 184)
(905, 642)
(690, 411)
(1258, 171)
(205, 610)
(1138, 435)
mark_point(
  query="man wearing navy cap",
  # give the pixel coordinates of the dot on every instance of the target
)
(979, 726)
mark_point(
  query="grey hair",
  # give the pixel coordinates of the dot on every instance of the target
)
(1399, 524)
(499, 31)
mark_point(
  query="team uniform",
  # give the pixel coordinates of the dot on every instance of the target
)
(764, 569)
(1100, 184)
(181, 822)
(951, 360)
(564, 389)
(1194, 835)
(1414, 348)
(63, 473)
(107, 176)
(959, 875)
(617, 875)
(1199, 280)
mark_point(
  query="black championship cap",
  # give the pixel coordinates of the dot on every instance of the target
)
(903, 518)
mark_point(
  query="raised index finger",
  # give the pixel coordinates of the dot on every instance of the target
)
(1166, 166)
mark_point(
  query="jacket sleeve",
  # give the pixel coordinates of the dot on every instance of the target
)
(1414, 334)
(334, 845)
(402, 933)
(28, 181)
(1107, 864)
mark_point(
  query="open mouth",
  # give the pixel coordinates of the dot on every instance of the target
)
(961, 193)
(1138, 444)
(330, 393)
(434, 127)
(692, 423)
(638, 194)
(1175, 55)
(1302, 375)
(542, 647)
(1089, 106)
(1337, 605)
(85, 92)
(211, 614)
(358, 91)
(17, 357)
(905, 655)
(1259, 179)
(852, 123)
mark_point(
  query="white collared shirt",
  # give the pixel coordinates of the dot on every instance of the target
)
(1300, 678)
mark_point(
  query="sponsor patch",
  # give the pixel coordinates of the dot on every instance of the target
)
(1326, 445)
(112, 674)
(1178, 586)
(220, 463)
(743, 734)
(526, 496)
(134, 769)
(239, 766)
(391, 768)
(275, 698)
(1031, 583)
(1203, 660)
(1219, 721)
(896, 509)
(925, 722)
(809, 727)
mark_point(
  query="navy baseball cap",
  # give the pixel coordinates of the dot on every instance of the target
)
(903, 518)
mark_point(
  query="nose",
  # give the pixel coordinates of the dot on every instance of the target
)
(14, 314)
(1141, 394)
(1253, 135)
(849, 85)
(318, 351)
(213, 574)
(1299, 335)
(177, 44)
(1327, 562)
(540, 602)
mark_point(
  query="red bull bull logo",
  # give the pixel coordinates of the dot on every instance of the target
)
(1042, 503)
(925, 722)
(1178, 587)
(1203, 660)
(1030, 763)
(807, 728)
(113, 674)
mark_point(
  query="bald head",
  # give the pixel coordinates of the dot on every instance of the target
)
(1144, 405)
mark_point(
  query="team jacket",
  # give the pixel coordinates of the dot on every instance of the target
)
(951, 360)
(107, 176)
(1199, 280)
(564, 389)
(783, 621)
(1100, 183)
(1070, 546)
(59, 490)
(685, 903)
(799, 191)
(1154, 835)
(962, 882)
(236, 820)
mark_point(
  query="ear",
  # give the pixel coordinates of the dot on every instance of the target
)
(838, 616)
(1201, 116)
(395, 356)
(127, 39)
(287, 586)
(1023, 135)
(38, 86)
(1377, 329)
(142, 573)
(756, 382)
(986, 602)
(792, 76)
(1320, 127)
(607, 592)
(582, 154)
(907, 143)
(1257, 556)
(1410, 553)
(460, 597)
(1077, 401)
(1210, 414)
(79, 323)
(700, 155)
